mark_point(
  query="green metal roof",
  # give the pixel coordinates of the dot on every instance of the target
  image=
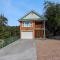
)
(40, 17)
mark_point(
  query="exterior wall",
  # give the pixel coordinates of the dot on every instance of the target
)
(25, 28)
(33, 28)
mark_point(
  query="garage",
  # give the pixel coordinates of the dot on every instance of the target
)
(26, 35)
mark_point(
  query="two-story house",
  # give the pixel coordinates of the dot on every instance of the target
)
(32, 25)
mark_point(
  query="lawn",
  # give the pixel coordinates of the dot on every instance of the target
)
(48, 49)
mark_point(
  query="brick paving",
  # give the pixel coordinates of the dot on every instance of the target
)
(48, 49)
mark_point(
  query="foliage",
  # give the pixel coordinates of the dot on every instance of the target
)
(7, 31)
(8, 34)
(15, 31)
(3, 20)
(7, 41)
(52, 13)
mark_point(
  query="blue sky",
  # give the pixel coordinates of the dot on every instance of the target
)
(15, 9)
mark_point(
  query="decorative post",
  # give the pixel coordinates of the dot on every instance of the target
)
(34, 29)
(44, 30)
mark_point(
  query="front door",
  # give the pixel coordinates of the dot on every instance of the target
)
(37, 34)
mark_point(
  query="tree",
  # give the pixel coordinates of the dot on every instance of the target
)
(7, 31)
(15, 31)
(3, 25)
(3, 20)
(52, 13)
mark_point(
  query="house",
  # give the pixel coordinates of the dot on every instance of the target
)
(32, 25)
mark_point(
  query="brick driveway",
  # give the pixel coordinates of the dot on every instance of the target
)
(48, 49)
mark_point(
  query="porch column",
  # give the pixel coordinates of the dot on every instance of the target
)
(44, 30)
(33, 29)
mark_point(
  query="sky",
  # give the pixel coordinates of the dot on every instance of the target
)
(13, 10)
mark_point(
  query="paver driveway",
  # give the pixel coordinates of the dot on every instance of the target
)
(48, 49)
(19, 50)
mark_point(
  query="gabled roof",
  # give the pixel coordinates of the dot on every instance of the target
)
(32, 15)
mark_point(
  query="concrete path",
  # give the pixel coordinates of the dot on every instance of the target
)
(19, 50)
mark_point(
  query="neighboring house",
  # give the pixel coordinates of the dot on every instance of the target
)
(32, 25)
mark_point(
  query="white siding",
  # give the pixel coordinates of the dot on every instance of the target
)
(31, 16)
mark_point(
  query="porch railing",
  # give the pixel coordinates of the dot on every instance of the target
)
(39, 26)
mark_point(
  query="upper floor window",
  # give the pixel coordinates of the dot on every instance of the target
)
(27, 24)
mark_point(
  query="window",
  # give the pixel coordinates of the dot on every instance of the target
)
(27, 24)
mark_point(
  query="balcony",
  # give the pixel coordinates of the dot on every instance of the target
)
(39, 26)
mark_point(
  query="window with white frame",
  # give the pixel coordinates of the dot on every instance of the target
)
(27, 24)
